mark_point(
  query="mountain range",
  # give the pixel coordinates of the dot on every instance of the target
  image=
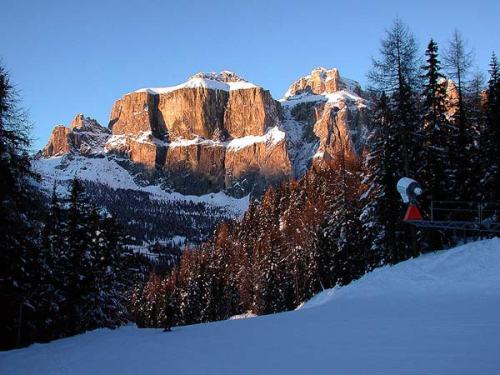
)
(215, 140)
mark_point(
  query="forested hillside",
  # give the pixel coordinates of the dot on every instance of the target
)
(66, 265)
(345, 216)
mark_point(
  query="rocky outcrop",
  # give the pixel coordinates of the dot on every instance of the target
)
(147, 154)
(207, 105)
(196, 168)
(340, 127)
(217, 131)
(324, 115)
(451, 102)
(135, 113)
(250, 112)
(191, 112)
(322, 81)
(59, 142)
(84, 136)
(256, 166)
(189, 127)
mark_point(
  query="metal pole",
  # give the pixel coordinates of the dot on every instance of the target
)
(19, 324)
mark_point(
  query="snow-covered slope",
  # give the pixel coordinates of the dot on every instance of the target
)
(151, 212)
(437, 314)
(107, 171)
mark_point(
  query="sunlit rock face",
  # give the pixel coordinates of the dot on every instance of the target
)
(217, 131)
(330, 112)
(84, 136)
(188, 131)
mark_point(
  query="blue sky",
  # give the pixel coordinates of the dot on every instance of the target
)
(67, 57)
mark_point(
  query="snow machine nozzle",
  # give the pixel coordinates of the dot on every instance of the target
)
(409, 190)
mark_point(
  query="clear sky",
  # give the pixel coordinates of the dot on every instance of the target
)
(67, 57)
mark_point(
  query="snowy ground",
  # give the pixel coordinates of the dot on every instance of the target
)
(106, 171)
(437, 314)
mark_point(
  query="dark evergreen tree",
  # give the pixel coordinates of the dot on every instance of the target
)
(382, 207)
(458, 61)
(435, 171)
(396, 73)
(18, 226)
(51, 266)
(490, 146)
(476, 117)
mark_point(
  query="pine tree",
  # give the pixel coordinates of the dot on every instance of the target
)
(51, 267)
(396, 73)
(382, 207)
(18, 226)
(458, 61)
(434, 172)
(78, 254)
(491, 137)
(343, 230)
(476, 115)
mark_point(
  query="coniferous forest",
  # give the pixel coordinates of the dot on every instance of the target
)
(65, 264)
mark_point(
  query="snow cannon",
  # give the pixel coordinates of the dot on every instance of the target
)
(409, 190)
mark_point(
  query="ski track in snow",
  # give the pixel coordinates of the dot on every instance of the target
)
(436, 314)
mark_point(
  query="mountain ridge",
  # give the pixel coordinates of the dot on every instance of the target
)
(223, 132)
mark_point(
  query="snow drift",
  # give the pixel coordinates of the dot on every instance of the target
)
(436, 314)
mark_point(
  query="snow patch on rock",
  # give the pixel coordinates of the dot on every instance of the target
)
(105, 170)
(272, 137)
(225, 81)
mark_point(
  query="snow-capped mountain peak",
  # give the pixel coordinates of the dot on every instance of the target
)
(322, 81)
(225, 81)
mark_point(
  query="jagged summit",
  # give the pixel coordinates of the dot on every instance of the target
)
(84, 136)
(82, 123)
(322, 81)
(225, 81)
(316, 104)
(224, 76)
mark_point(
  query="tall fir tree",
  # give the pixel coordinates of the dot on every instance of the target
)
(396, 72)
(490, 181)
(18, 223)
(457, 61)
(382, 207)
(434, 172)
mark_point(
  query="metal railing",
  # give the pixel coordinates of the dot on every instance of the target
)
(474, 216)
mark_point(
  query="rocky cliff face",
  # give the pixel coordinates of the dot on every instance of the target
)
(186, 131)
(324, 114)
(322, 81)
(84, 136)
(219, 132)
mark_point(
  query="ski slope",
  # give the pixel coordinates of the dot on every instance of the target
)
(436, 314)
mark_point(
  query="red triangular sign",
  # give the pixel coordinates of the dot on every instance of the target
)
(412, 213)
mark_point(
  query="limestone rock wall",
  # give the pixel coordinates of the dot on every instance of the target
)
(59, 142)
(136, 112)
(258, 161)
(196, 168)
(250, 112)
(191, 112)
(84, 136)
(322, 81)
